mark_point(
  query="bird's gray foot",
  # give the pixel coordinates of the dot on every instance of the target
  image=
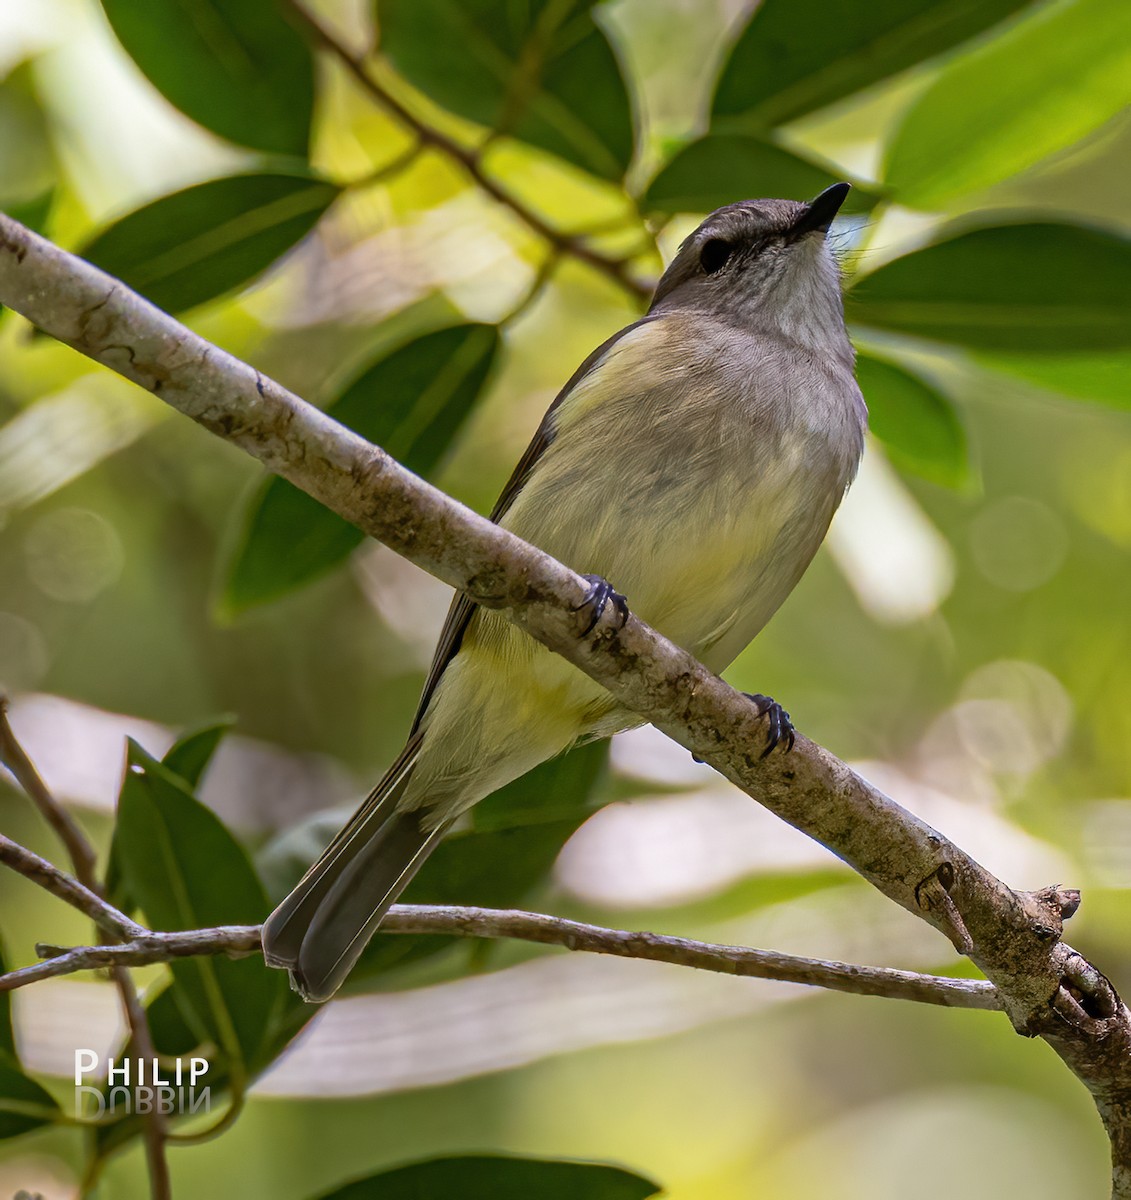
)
(599, 596)
(779, 726)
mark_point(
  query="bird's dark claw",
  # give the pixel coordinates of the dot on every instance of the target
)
(599, 595)
(779, 726)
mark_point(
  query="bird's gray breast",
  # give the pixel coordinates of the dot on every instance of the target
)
(697, 468)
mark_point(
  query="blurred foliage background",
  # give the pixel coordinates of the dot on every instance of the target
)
(431, 253)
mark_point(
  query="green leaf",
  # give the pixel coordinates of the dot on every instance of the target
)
(172, 1034)
(197, 244)
(721, 168)
(918, 425)
(28, 169)
(186, 871)
(191, 753)
(482, 1177)
(27, 161)
(187, 757)
(34, 212)
(517, 835)
(413, 403)
(238, 68)
(747, 895)
(796, 56)
(24, 1104)
(1042, 288)
(115, 882)
(1048, 82)
(542, 72)
(569, 787)
(1099, 378)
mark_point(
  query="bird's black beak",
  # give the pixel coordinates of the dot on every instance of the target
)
(819, 213)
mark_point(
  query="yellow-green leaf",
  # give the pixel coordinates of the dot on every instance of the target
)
(1041, 86)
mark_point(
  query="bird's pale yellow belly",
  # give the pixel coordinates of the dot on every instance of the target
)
(702, 520)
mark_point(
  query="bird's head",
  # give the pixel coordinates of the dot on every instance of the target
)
(762, 264)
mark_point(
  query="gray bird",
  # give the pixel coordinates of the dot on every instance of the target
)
(695, 459)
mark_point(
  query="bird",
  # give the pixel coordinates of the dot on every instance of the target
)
(694, 460)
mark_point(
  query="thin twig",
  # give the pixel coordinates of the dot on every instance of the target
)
(470, 160)
(68, 889)
(395, 165)
(12, 755)
(235, 940)
(156, 1128)
(105, 916)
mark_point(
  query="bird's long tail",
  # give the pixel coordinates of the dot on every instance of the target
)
(321, 928)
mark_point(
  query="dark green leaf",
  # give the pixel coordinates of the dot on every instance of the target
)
(496, 869)
(517, 836)
(1042, 288)
(212, 238)
(115, 882)
(542, 72)
(237, 68)
(412, 402)
(721, 168)
(1049, 82)
(918, 425)
(191, 753)
(475, 1177)
(172, 1035)
(564, 788)
(24, 1105)
(796, 56)
(186, 871)
(187, 757)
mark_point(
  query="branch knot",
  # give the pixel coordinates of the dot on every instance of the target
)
(933, 896)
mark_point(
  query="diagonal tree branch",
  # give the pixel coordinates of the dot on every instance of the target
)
(1046, 988)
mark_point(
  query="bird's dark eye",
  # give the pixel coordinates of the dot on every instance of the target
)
(715, 255)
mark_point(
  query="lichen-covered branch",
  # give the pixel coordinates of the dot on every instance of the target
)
(1045, 987)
